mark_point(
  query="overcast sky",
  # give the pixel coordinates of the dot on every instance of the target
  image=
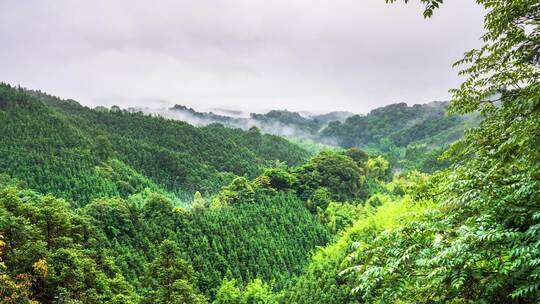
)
(252, 55)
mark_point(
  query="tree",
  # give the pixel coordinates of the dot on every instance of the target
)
(319, 200)
(74, 277)
(103, 148)
(157, 205)
(54, 220)
(481, 243)
(257, 292)
(338, 216)
(198, 202)
(279, 178)
(172, 278)
(379, 168)
(14, 290)
(337, 172)
(359, 156)
(238, 191)
(228, 293)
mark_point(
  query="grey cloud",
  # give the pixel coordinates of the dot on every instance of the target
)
(251, 54)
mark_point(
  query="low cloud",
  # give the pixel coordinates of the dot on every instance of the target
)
(253, 54)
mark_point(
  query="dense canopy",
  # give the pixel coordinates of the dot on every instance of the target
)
(115, 206)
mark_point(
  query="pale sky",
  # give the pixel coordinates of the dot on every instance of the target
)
(253, 55)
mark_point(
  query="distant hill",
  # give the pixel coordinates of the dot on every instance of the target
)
(411, 137)
(332, 116)
(277, 122)
(400, 123)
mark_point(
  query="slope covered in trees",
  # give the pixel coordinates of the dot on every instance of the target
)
(123, 236)
(272, 224)
(110, 252)
(322, 280)
(126, 173)
(398, 122)
(268, 239)
(278, 122)
(118, 249)
(78, 153)
(411, 137)
(474, 237)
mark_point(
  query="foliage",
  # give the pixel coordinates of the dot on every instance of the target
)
(55, 249)
(85, 255)
(313, 146)
(268, 239)
(379, 168)
(171, 278)
(80, 154)
(319, 200)
(280, 179)
(256, 292)
(338, 173)
(115, 228)
(198, 204)
(480, 244)
(321, 281)
(13, 290)
(396, 130)
(228, 293)
(292, 119)
(409, 137)
(338, 216)
(359, 156)
(239, 191)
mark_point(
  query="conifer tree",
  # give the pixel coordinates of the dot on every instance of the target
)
(172, 278)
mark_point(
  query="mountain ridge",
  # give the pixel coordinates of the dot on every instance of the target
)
(411, 137)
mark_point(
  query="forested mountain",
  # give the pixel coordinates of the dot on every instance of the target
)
(107, 251)
(398, 122)
(277, 122)
(78, 153)
(115, 206)
(118, 226)
(411, 137)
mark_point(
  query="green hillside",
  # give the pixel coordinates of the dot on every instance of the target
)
(78, 153)
(122, 201)
(411, 137)
(113, 206)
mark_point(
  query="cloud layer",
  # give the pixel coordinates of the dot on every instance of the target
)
(253, 55)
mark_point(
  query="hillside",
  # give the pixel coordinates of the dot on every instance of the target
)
(128, 178)
(61, 147)
(411, 137)
(125, 189)
(277, 122)
(404, 205)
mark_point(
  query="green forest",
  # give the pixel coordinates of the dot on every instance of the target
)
(110, 205)
(410, 137)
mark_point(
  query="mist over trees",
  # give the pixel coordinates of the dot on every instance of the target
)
(411, 137)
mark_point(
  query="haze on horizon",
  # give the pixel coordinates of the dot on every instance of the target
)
(251, 55)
